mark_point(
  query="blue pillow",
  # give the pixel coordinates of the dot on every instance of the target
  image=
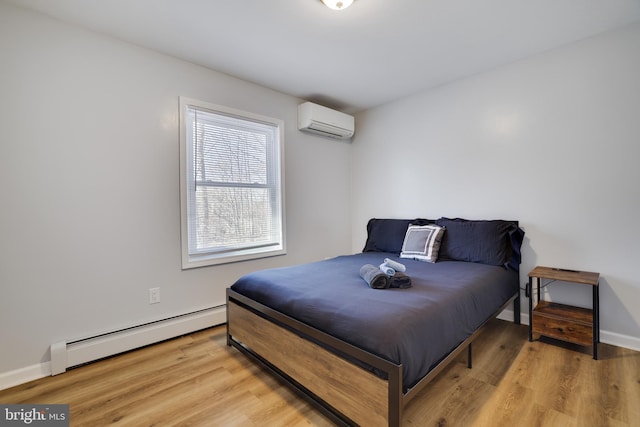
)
(387, 235)
(486, 242)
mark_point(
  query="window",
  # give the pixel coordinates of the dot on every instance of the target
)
(230, 186)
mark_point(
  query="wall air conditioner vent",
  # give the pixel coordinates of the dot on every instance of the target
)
(314, 118)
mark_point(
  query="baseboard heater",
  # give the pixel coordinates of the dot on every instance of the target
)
(73, 353)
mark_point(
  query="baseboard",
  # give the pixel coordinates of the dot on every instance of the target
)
(73, 353)
(607, 337)
(620, 340)
(24, 375)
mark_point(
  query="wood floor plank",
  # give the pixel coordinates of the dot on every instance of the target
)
(196, 380)
(510, 406)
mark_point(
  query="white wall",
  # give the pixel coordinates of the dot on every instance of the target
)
(552, 141)
(89, 185)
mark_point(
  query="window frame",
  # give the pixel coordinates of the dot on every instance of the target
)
(202, 259)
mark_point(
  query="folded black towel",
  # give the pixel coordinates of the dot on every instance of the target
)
(374, 277)
(400, 280)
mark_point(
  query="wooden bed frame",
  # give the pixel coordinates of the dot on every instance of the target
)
(326, 371)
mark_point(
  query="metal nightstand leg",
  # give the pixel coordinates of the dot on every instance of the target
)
(596, 320)
(530, 293)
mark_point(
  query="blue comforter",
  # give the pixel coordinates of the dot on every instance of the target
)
(415, 327)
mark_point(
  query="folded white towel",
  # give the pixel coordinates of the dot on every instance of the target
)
(387, 270)
(395, 265)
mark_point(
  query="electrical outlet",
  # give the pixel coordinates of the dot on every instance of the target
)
(154, 295)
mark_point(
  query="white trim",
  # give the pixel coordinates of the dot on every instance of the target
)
(24, 375)
(507, 315)
(619, 340)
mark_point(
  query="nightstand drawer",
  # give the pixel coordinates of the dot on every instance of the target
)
(567, 323)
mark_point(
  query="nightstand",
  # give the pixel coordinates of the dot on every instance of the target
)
(565, 322)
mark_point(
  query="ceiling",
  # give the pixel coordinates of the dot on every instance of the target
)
(372, 53)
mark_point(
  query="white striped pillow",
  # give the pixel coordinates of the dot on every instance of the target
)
(422, 242)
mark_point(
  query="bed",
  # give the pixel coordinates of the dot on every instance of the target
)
(358, 353)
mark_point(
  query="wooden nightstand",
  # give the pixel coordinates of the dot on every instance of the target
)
(565, 322)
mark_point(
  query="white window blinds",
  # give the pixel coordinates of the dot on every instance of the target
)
(233, 185)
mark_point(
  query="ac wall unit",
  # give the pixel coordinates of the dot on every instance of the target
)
(324, 121)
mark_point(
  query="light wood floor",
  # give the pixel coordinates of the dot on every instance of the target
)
(197, 380)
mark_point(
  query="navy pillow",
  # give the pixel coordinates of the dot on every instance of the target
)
(486, 242)
(387, 235)
(516, 238)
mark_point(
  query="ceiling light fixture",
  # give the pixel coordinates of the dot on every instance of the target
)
(337, 4)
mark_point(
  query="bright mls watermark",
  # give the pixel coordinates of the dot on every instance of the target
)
(34, 415)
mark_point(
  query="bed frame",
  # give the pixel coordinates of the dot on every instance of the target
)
(333, 375)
